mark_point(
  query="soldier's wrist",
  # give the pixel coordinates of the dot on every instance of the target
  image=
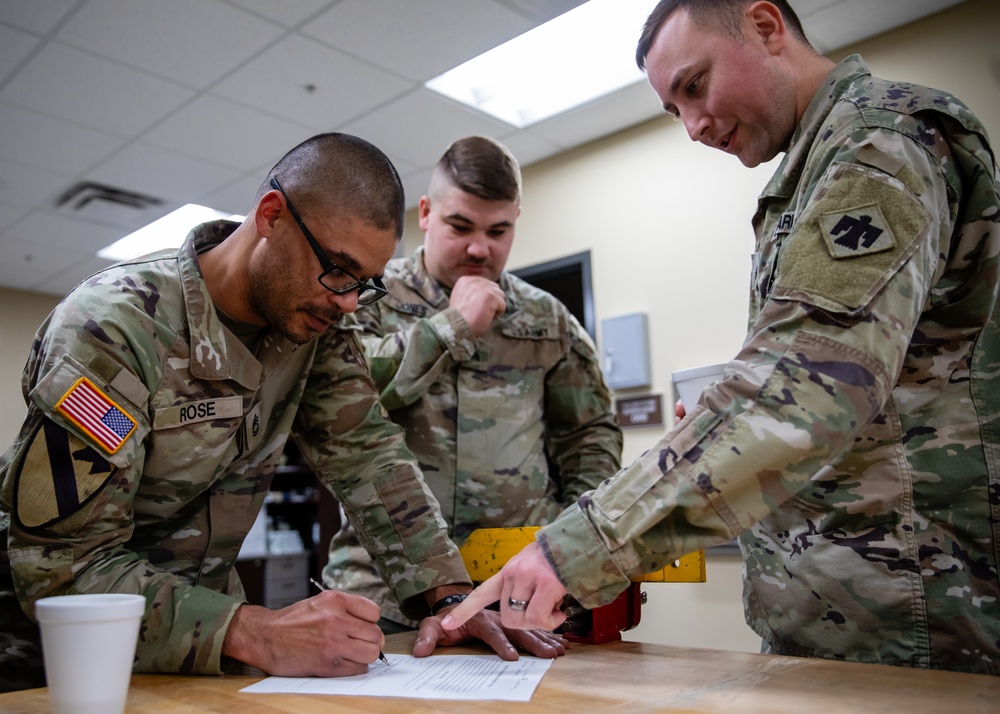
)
(448, 601)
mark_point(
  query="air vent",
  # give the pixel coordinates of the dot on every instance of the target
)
(108, 204)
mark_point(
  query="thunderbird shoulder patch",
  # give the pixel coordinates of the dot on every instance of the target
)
(96, 415)
(856, 231)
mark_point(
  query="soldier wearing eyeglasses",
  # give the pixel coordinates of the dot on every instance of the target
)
(161, 392)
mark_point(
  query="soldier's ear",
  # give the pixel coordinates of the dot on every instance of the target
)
(267, 211)
(423, 211)
(768, 26)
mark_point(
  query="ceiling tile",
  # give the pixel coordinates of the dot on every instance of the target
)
(79, 87)
(307, 81)
(436, 120)
(14, 47)
(225, 133)
(237, 197)
(30, 187)
(417, 40)
(163, 38)
(544, 10)
(163, 174)
(53, 231)
(529, 148)
(26, 265)
(52, 144)
(35, 16)
(836, 25)
(9, 215)
(288, 13)
(626, 107)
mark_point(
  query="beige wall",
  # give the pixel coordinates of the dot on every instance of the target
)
(668, 226)
(20, 315)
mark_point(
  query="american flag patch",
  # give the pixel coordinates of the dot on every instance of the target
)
(99, 417)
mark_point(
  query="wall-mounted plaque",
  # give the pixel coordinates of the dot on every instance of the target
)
(640, 411)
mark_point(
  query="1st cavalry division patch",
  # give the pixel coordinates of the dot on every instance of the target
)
(58, 473)
(96, 415)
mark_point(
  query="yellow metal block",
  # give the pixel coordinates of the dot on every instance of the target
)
(488, 549)
(689, 569)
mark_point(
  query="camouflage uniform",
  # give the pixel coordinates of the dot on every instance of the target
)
(855, 440)
(508, 428)
(165, 514)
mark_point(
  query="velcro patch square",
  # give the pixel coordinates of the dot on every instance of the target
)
(856, 231)
(96, 415)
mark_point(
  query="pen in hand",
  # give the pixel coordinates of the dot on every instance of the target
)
(321, 587)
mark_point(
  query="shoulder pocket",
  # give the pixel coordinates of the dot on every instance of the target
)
(863, 226)
(93, 409)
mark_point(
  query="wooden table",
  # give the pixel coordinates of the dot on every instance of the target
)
(618, 676)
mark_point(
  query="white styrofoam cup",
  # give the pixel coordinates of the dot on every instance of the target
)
(88, 645)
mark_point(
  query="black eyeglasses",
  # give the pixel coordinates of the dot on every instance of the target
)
(334, 278)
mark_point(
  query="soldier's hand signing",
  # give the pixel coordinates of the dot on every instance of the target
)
(330, 635)
(479, 301)
(485, 625)
(529, 592)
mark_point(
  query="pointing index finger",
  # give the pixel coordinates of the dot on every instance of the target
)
(488, 592)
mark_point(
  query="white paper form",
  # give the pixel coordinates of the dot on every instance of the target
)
(456, 677)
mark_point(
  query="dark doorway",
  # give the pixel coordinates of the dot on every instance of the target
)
(568, 279)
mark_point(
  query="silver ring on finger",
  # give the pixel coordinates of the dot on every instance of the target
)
(519, 605)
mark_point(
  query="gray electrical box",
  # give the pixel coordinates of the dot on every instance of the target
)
(625, 351)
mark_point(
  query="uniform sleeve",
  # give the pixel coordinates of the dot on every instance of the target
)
(362, 457)
(70, 485)
(582, 437)
(407, 355)
(817, 365)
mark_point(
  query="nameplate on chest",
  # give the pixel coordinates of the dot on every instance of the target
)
(198, 411)
(410, 308)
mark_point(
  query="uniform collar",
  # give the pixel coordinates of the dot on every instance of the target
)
(216, 353)
(415, 276)
(833, 88)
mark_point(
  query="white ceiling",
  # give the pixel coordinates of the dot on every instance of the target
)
(192, 101)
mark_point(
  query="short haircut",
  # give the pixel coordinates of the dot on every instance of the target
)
(479, 166)
(725, 16)
(340, 173)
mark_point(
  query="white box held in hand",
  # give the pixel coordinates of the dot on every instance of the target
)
(691, 382)
(88, 645)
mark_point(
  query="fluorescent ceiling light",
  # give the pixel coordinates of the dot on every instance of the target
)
(577, 57)
(167, 232)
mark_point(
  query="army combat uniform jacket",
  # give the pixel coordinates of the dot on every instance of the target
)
(508, 428)
(855, 440)
(151, 440)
